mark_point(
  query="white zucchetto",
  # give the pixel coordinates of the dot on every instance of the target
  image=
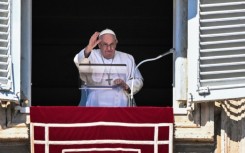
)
(107, 31)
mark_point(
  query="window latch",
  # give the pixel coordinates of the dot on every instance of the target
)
(203, 91)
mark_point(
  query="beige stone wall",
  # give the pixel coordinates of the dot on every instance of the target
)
(217, 126)
(197, 125)
(14, 129)
(194, 132)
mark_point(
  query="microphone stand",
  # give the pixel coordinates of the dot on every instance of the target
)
(131, 101)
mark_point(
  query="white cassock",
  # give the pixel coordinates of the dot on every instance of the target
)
(115, 97)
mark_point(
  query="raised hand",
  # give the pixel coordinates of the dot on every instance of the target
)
(93, 42)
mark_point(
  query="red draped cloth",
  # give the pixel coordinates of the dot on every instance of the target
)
(70, 129)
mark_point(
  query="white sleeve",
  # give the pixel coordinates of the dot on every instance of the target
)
(80, 59)
(138, 79)
(137, 84)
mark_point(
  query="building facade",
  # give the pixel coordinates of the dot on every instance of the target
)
(208, 74)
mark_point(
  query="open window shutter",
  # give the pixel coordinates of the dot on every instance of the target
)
(5, 57)
(9, 39)
(218, 52)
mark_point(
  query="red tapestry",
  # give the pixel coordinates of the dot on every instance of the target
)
(72, 129)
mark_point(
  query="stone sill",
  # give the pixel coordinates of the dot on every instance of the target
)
(19, 132)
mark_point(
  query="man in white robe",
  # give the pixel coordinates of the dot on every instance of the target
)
(120, 93)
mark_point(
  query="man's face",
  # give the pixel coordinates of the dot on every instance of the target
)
(108, 45)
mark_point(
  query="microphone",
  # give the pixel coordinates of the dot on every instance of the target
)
(131, 101)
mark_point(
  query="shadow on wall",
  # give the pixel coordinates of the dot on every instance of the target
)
(232, 120)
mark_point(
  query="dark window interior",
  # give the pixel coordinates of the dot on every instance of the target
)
(61, 28)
